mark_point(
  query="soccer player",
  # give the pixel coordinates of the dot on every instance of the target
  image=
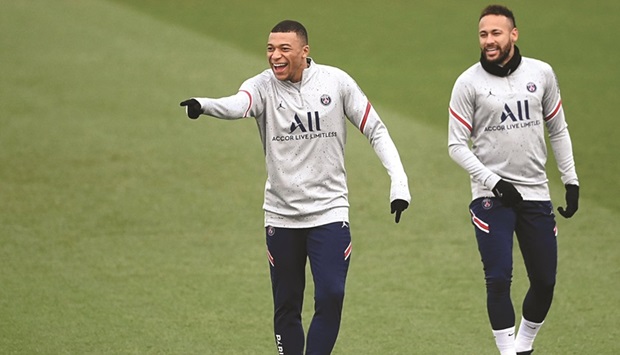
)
(301, 109)
(502, 105)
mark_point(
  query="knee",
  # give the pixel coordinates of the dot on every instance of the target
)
(333, 294)
(498, 286)
(543, 285)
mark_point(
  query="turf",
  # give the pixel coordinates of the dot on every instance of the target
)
(126, 228)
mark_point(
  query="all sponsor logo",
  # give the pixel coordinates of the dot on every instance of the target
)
(523, 112)
(514, 116)
(311, 124)
(305, 128)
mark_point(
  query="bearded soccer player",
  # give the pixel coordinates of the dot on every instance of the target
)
(502, 105)
(302, 109)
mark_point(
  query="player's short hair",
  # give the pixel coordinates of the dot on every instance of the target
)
(292, 26)
(499, 10)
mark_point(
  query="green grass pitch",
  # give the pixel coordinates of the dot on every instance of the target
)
(126, 228)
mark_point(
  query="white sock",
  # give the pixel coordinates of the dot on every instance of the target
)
(527, 334)
(505, 341)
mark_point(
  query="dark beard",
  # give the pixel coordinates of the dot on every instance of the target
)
(504, 53)
(496, 69)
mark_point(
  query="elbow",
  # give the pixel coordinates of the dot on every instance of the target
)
(453, 149)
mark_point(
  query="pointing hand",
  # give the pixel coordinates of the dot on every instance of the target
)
(192, 108)
(398, 206)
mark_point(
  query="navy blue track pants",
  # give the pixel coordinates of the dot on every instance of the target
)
(328, 248)
(533, 222)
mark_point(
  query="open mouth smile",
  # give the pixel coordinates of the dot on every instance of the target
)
(279, 67)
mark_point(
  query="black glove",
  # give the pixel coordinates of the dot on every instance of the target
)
(572, 201)
(398, 206)
(194, 109)
(507, 193)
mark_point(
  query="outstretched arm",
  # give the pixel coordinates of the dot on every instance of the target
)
(231, 107)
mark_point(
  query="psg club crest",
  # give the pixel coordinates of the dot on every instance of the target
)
(487, 203)
(531, 87)
(271, 231)
(326, 100)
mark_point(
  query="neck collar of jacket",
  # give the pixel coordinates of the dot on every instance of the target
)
(505, 70)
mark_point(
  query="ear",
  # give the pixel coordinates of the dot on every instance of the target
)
(514, 34)
(305, 51)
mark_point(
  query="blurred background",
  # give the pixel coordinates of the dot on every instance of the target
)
(126, 228)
